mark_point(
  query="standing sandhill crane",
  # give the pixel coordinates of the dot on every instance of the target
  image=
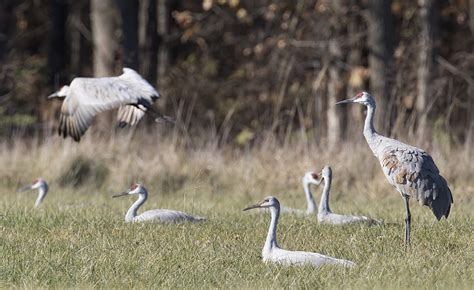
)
(273, 253)
(86, 97)
(325, 215)
(157, 215)
(42, 187)
(410, 170)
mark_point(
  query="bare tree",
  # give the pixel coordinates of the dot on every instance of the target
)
(381, 47)
(357, 77)
(103, 26)
(428, 23)
(58, 47)
(6, 16)
(164, 13)
(129, 12)
(148, 39)
(335, 82)
(80, 37)
(471, 16)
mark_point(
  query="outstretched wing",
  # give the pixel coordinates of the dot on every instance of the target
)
(413, 172)
(89, 96)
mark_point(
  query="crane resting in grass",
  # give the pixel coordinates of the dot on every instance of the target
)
(325, 214)
(409, 169)
(42, 187)
(155, 215)
(273, 253)
(86, 97)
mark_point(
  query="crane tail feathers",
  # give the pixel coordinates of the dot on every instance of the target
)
(441, 204)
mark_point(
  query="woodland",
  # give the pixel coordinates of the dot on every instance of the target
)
(250, 69)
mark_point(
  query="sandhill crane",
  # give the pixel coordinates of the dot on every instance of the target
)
(86, 97)
(325, 215)
(409, 169)
(273, 253)
(157, 215)
(42, 187)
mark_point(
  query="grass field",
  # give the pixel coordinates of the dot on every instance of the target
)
(78, 236)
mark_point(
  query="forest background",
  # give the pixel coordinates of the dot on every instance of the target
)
(250, 69)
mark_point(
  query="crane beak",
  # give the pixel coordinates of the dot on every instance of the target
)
(120, 194)
(346, 101)
(252, 207)
(24, 188)
(55, 95)
(166, 119)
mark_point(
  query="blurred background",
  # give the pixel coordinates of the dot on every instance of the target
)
(243, 70)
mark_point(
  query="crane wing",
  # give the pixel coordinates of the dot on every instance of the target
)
(129, 115)
(413, 172)
(89, 96)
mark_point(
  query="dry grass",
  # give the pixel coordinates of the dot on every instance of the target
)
(81, 227)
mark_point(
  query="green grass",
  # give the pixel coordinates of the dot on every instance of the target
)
(78, 237)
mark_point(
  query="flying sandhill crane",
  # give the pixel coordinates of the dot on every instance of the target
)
(156, 215)
(325, 215)
(273, 253)
(410, 170)
(42, 187)
(86, 97)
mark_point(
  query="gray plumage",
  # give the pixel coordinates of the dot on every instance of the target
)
(42, 187)
(272, 253)
(155, 215)
(409, 169)
(86, 97)
(325, 214)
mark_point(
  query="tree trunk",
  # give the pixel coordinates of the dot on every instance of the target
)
(426, 64)
(164, 13)
(80, 38)
(102, 24)
(471, 16)
(357, 79)
(335, 117)
(58, 47)
(129, 12)
(381, 47)
(335, 91)
(6, 6)
(148, 39)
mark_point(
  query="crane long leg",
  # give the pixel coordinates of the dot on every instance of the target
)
(407, 220)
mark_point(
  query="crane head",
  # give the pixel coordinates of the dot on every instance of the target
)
(326, 173)
(61, 93)
(37, 183)
(362, 98)
(269, 201)
(311, 178)
(135, 188)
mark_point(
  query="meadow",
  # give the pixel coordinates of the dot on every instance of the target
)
(78, 238)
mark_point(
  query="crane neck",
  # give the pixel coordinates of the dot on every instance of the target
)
(369, 131)
(132, 211)
(324, 204)
(271, 241)
(309, 198)
(42, 191)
